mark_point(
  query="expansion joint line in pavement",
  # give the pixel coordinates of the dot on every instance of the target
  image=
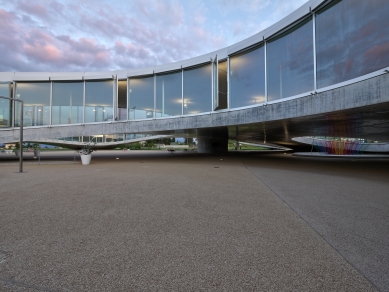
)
(309, 225)
(24, 285)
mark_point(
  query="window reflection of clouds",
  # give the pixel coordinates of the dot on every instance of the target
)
(122, 100)
(352, 39)
(5, 90)
(247, 78)
(290, 62)
(98, 101)
(198, 90)
(141, 98)
(169, 91)
(99, 93)
(36, 97)
(67, 103)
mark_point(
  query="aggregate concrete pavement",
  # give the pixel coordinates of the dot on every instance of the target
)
(346, 202)
(158, 221)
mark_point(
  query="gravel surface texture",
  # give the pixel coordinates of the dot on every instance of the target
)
(158, 221)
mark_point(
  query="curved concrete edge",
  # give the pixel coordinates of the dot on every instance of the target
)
(370, 147)
(106, 145)
(359, 156)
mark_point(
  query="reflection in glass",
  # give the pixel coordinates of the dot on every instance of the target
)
(98, 101)
(36, 97)
(67, 104)
(215, 84)
(141, 98)
(169, 99)
(222, 84)
(290, 68)
(198, 90)
(247, 78)
(5, 105)
(352, 39)
(122, 100)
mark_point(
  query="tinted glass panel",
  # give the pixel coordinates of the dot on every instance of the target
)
(36, 97)
(141, 98)
(352, 39)
(215, 85)
(67, 104)
(5, 105)
(122, 100)
(5, 89)
(222, 84)
(198, 90)
(290, 68)
(169, 95)
(98, 101)
(247, 78)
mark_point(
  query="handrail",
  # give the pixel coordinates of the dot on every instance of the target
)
(21, 131)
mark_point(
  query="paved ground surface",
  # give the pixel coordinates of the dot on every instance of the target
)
(187, 222)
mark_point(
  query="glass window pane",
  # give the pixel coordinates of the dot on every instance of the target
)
(247, 78)
(215, 85)
(222, 84)
(198, 90)
(98, 101)
(36, 97)
(5, 89)
(169, 92)
(5, 105)
(141, 98)
(352, 39)
(290, 68)
(67, 104)
(122, 100)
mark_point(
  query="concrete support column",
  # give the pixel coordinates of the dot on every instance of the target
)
(213, 140)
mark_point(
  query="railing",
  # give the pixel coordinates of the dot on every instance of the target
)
(21, 130)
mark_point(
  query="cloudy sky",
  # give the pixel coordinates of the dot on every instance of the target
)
(90, 35)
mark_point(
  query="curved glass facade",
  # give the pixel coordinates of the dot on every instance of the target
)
(290, 68)
(352, 39)
(67, 103)
(169, 95)
(141, 98)
(222, 85)
(247, 78)
(343, 39)
(36, 97)
(5, 105)
(122, 100)
(98, 101)
(197, 90)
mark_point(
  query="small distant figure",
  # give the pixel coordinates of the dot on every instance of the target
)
(116, 118)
